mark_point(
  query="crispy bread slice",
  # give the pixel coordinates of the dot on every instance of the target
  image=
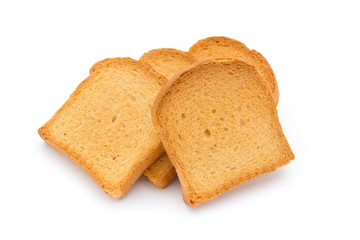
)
(223, 47)
(166, 62)
(105, 126)
(219, 126)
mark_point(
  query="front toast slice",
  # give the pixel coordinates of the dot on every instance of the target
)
(105, 126)
(165, 62)
(224, 47)
(219, 126)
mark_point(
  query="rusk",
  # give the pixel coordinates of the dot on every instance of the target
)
(105, 126)
(219, 126)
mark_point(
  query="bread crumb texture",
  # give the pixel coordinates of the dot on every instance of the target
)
(219, 126)
(105, 126)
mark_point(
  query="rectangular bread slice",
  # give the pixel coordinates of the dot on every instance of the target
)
(220, 128)
(165, 62)
(105, 126)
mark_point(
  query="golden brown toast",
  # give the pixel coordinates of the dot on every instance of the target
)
(219, 126)
(105, 126)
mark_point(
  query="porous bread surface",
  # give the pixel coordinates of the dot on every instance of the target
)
(219, 126)
(223, 47)
(161, 172)
(105, 126)
(166, 62)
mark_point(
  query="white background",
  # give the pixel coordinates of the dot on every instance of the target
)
(46, 50)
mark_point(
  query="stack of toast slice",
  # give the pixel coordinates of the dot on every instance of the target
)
(216, 118)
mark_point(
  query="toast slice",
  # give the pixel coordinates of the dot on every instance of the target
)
(105, 126)
(223, 47)
(166, 62)
(219, 126)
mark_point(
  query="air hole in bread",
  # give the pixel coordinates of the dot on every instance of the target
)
(242, 122)
(133, 98)
(221, 119)
(226, 129)
(183, 116)
(207, 133)
(179, 136)
(213, 111)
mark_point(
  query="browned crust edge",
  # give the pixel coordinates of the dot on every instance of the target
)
(148, 55)
(255, 54)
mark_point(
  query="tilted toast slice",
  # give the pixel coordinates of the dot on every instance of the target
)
(166, 62)
(105, 126)
(223, 47)
(219, 126)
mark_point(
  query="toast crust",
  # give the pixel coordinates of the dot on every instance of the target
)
(190, 195)
(203, 49)
(174, 59)
(114, 188)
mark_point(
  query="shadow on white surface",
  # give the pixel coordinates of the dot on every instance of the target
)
(70, 171)
(244, 191)
(145, 194)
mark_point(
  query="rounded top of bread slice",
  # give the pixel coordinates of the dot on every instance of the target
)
(219, 126)
(224, 47)
(167, 61)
